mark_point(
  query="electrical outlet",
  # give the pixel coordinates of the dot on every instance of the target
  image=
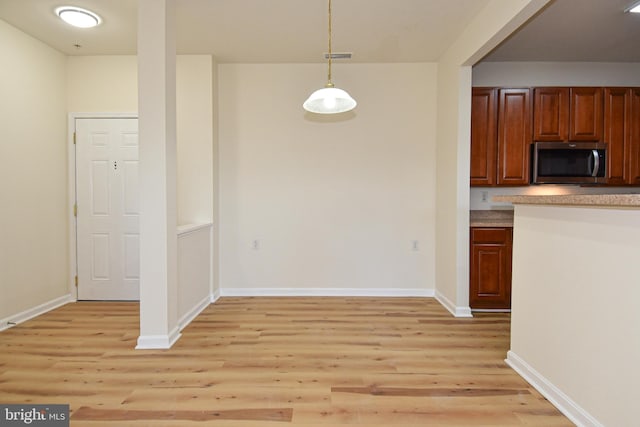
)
(485, 196)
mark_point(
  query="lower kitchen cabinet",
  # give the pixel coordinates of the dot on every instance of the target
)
(490, 265)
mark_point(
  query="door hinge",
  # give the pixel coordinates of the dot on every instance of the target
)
(76, 280)
(74, 138)
(75, 210)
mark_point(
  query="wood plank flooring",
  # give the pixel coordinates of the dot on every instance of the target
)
(273, 362)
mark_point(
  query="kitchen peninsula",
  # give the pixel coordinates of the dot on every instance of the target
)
(575, 328)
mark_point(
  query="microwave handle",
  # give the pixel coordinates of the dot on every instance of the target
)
(596, 162)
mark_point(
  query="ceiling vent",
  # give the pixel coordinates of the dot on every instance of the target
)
(338, 55)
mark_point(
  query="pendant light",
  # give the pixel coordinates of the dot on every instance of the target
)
(329, 99)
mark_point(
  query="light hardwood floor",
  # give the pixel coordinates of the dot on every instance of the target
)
(275, 362)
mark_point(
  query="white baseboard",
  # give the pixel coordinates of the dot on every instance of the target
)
(324, 292)
(25, 315)
(215, 296)
(553, 394)
(193, 313)
(453, 309)
(158, 342)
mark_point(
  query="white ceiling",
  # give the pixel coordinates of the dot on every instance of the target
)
(576, 30)
(262, 30)
(277, 31)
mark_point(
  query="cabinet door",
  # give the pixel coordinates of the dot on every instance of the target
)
(617, 127)
(484, 121)
(551, 114)
(634, 139)
(585, 114)
(490, 265)
(514, 136)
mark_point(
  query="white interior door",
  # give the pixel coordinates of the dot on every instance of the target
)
(107, 198)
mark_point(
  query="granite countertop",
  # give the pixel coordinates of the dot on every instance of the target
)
(491, 218)
(603, 200)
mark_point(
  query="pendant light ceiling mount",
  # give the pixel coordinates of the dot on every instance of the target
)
(329, 99)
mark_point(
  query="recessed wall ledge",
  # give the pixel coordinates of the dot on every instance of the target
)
(600, 200)
(190, 228)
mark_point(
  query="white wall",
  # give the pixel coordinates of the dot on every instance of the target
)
(33, 176)
(194, 109)
(102, 84)
(575, 324)
(518, 74)
(109, 84)
(333, 202)
(194, 272)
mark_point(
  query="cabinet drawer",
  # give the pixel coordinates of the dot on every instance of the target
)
(490, 235)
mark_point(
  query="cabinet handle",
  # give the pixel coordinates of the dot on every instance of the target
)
(596, 162)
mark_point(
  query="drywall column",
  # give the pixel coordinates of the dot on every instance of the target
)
(490, 26)
(158, 213)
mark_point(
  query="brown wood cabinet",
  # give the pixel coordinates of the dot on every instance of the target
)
(514, 136)
(617, 134)
(505, 121)
(490, 268)
(500, 136)
(567, 114)
(484, 123)
(622, 134)
(585, 114)
(633, 160)
(551, 114)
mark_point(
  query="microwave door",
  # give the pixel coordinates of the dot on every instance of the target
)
(562, 163)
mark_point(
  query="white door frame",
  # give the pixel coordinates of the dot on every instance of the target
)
(71, 178)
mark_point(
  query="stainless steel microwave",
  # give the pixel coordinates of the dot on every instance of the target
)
(569, 163)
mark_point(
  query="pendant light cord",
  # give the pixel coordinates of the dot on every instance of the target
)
(329, 82)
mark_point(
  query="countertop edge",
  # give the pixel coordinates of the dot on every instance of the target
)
(582, 200)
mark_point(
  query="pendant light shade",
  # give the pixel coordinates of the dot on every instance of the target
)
(329, 99)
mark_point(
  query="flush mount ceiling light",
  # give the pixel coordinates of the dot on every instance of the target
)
(329, 99)
(78, 17)
(634, 8)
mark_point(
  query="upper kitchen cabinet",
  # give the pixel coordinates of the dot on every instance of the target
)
(500, 136)
(551, 114)
(567, 114)
(585, 114)
(484, 123)
(622, 134)
(634, 139)
(514, 136)
(617, 134)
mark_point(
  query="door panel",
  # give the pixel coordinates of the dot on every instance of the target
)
(484, 122)
(617, 112)
(514, 136)
(108, 209)
(100, 256)
(634, 138)
(585, 118)
(551, 113)
(99, 187)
